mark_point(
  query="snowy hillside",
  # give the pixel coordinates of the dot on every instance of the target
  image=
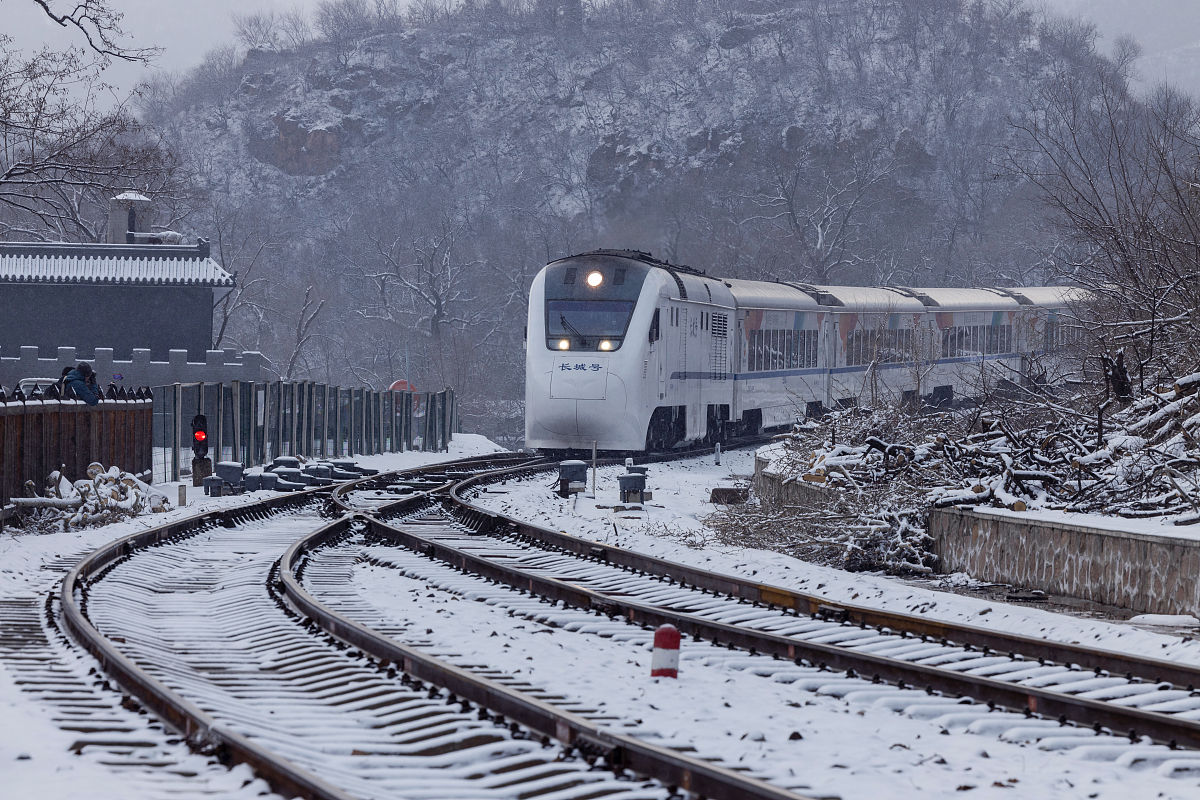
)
(416, 173)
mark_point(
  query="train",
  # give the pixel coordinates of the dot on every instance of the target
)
(628, 353)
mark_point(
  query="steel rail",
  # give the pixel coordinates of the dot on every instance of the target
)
(619, 751)
(1150, 669)
(198, 728)
(201, 731)
(1045, 702)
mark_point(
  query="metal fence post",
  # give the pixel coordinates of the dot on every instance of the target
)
(235, 398)
(361, 429)
(305, 419)
(176, 429)
(430, 415)
(324, 423)
(278, 426)
(310, 421)
(379, 439)
(252, 456)
(337, 421)
(219, 455)
(391, 418)
(410, 419)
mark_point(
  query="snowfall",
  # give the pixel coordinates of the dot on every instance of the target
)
(848, 748)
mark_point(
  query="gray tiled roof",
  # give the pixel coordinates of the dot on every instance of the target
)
(106, 264)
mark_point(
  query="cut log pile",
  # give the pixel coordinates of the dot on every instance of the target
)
(104, 496)
(883, 471)
(1142, 460)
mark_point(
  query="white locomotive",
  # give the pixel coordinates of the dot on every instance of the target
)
(632, 353)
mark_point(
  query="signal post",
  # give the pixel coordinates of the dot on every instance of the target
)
(201, 463)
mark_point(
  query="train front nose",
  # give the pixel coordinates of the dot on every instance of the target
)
(583, 400)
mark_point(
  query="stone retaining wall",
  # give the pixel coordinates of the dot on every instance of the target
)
(775, 490)
(1142, 572)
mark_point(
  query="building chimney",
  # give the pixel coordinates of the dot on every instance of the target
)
(128, 213)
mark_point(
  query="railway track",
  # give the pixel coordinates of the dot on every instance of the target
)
(1063, 695)
(260, 654)
(196, 619)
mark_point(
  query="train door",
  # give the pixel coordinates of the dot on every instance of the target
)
(829, 351)
(695, 358)
(657, 354)
(736, 364)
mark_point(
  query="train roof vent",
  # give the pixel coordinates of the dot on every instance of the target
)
(915, 294)
(820, 295)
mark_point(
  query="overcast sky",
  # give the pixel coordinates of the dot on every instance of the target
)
(184, 29)
(1169, 30)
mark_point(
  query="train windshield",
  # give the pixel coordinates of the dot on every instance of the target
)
(587, 324)
(590, 301)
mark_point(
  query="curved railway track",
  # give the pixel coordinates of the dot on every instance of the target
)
(1070, 692)
(216, 650)
(259, 654)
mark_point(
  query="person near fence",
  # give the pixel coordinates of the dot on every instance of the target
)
(82, 381)
(61, 385)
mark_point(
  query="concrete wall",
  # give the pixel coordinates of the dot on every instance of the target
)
(160, 318)
(218, 366)
(1142, 572)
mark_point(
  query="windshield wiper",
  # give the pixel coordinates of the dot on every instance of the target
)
(572, 329)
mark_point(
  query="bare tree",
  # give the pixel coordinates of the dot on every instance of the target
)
(100, 26)
(1123, 176)
(819, 204)
(243, 243)
(294, 28)
(258, 31)
(344, 23)
(303, 333)
(58, 152)
(61, 153)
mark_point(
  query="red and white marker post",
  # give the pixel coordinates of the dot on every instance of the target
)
(665, 661)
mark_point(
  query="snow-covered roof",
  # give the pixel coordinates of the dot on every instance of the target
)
(957, 299)
(863, 298)
(163, 265)
(765, 294)
(1045, 295)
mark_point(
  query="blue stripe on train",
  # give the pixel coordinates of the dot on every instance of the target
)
(787, 373)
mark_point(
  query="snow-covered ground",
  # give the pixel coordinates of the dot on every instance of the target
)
(680, 504)
(851, 749)
(34, 757)
(721, 709)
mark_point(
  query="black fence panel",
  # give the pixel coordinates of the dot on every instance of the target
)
(255, 422)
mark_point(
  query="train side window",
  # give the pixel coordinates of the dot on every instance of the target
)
(654, 327)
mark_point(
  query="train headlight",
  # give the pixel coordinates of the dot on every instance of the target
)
(605, 344)
(595, 278)
(564, 344)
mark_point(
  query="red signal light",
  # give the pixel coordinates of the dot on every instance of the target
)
(200, 436)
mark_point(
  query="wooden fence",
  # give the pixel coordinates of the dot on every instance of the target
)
(149, 433)
(37, 437)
